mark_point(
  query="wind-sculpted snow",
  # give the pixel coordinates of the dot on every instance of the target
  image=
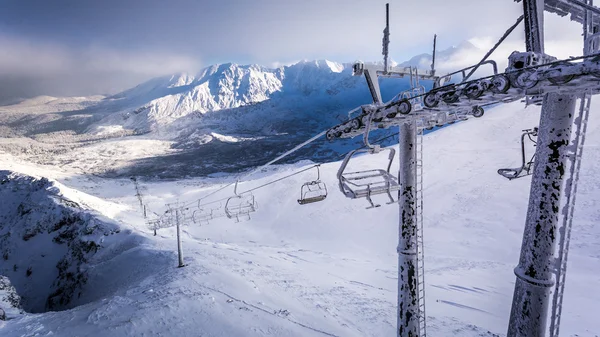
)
(47, 241)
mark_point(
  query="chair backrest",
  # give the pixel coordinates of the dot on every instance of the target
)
(313, 191)
(240, 205)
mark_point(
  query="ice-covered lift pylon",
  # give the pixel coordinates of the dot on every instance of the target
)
(531, 75)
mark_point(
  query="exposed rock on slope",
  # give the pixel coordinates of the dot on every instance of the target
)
(10, 301)
(46, 241)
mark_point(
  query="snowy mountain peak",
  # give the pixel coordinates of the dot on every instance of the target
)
(465, 45)
(320, 64)
(181, 79)
(447, 60)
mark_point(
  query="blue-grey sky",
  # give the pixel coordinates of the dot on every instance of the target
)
(82, 47)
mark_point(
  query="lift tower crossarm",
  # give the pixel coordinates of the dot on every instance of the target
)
(576, 8)
(373, 71)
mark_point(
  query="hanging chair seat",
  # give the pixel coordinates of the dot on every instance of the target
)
(313, 191)
(526, 166)
(240, 205)
(310, 200)
(510, 173)
(368, 183)
(365, 184)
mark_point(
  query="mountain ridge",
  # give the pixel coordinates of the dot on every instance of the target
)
(198, 115)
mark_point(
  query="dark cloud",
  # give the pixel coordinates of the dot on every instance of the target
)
(76, 47)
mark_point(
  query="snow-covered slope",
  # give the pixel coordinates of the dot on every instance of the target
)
(329, 269)
(47, 239)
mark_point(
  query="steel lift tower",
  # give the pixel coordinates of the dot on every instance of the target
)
(530, 75)
(537, 271)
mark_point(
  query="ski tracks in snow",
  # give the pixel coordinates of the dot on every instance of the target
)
(278, 276)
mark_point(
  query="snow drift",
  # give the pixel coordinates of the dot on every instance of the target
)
(48, 242)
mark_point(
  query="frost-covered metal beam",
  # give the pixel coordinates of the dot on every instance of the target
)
(408, 295)
(575, 8)
(534, 272)
(534, 25)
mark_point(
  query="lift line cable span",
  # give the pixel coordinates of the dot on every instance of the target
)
(310, 141)
(280, 179)
(245, 175)
(261, 186)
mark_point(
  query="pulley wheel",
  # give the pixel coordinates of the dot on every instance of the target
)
(525, 79)
(431, 100)
(477, 111)
(557, 70)
(404, 107)
(500, 84)
(450, 97)
(474, 91)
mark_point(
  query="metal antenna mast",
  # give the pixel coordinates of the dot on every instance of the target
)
(386, 38)
(433, 55)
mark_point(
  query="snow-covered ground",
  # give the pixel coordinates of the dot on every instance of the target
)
(327, 268)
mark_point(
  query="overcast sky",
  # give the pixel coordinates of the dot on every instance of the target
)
(82, 47)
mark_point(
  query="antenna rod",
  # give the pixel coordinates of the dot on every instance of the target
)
(386, 38)
(433, 56)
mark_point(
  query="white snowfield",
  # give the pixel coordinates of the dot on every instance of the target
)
(329, 268)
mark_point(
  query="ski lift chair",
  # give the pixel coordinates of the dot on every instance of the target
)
(206, 212)
(202, 215)
(240, 205)
(364, 184)
(526, 166)
(313, 191)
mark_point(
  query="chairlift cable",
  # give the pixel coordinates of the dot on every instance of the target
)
(491, 51)
(296, 148)
(282, 178)
(245, 175)
(393, 134)
(261, 186)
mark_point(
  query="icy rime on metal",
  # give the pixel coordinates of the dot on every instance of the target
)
(534, 25)
(408, 295)
(535, 270)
